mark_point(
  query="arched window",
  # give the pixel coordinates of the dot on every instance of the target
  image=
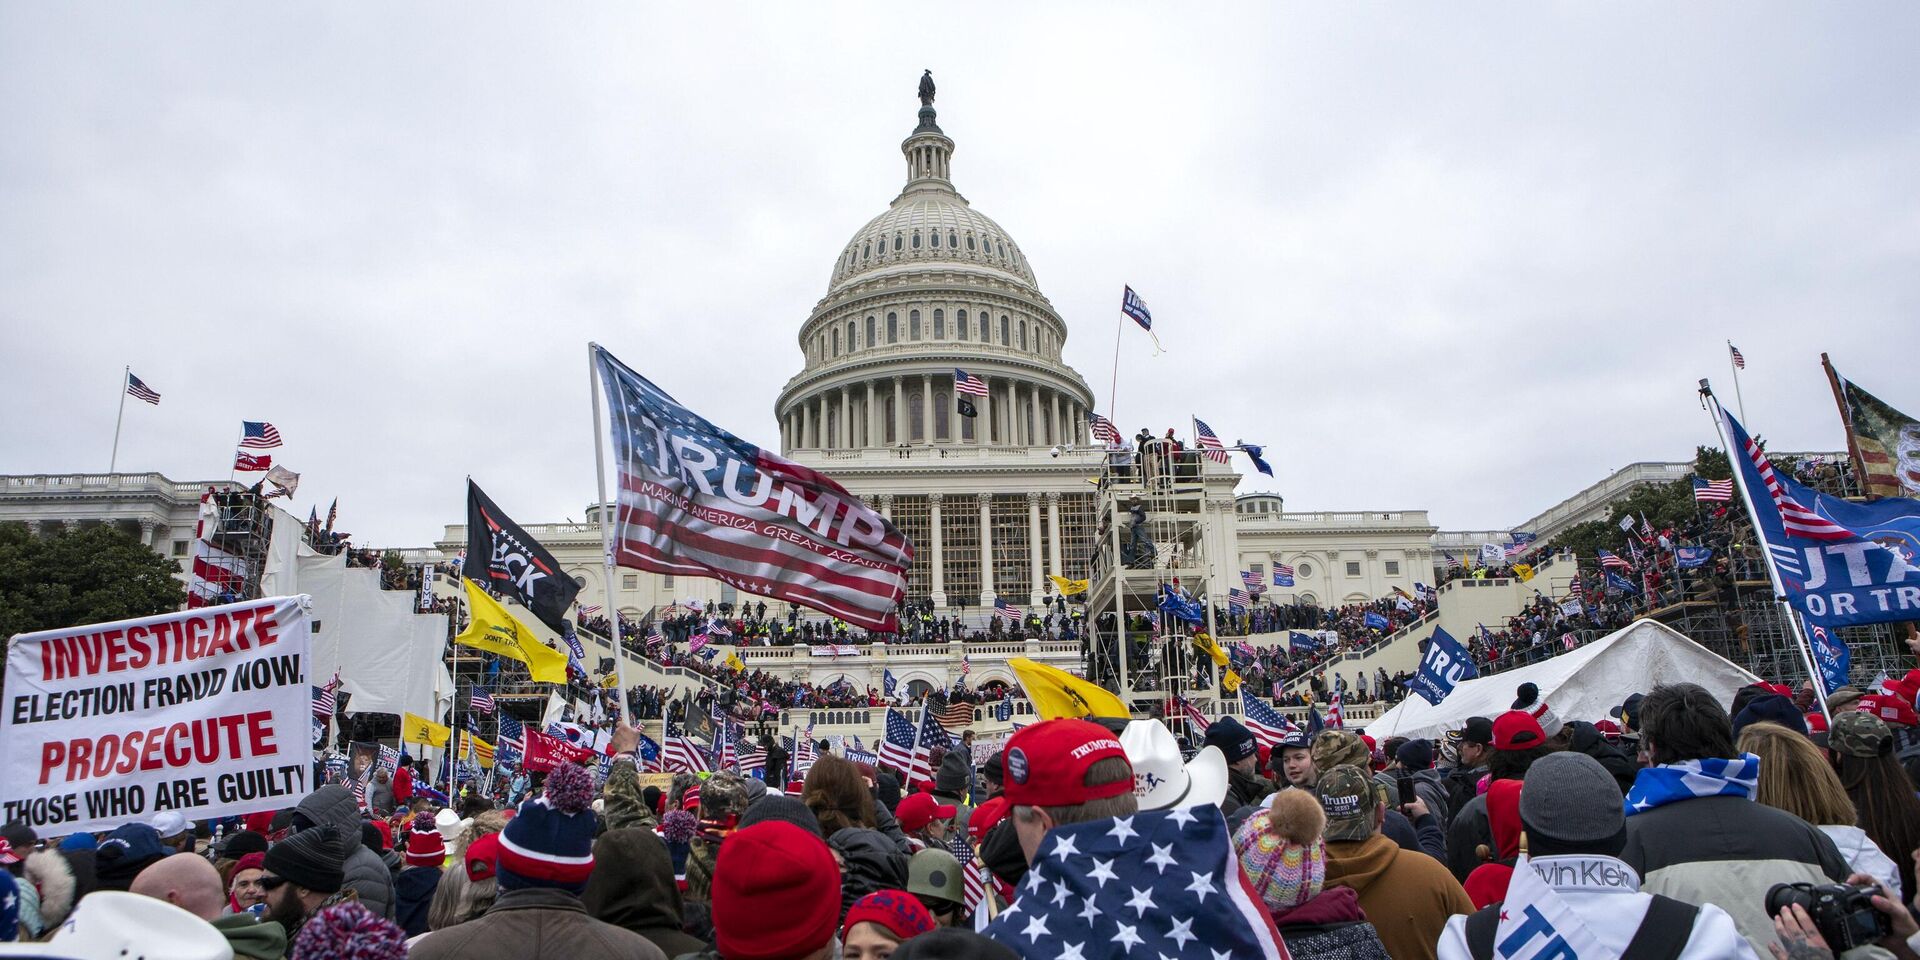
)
(893, 328)
(916, 417)
(966, 427)
(1006, 331)
(866, 250)
(969, 243)
(941, 404)
(916, 239)
(836, 341)
(1001, 248)
(939, 324)
(913, 325)
(1023, 334)
(986, 328)
(888, 406)
(960, 324)
(896, 243)
(934, 238)
(853, 336)
(870, 340)
(953, 240)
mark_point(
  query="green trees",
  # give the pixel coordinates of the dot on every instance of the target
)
(80, 576)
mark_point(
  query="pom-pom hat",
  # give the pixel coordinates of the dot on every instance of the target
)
(424, 845)
(549, 843)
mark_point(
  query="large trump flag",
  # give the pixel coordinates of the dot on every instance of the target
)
(699, 501)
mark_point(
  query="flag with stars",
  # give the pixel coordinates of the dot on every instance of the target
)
(1111, 889)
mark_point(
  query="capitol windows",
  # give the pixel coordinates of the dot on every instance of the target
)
(934, 238)
(866, 250)
(916, 239)
(939, 324)
(893, 328)
(896, 243)
(1393, 568)
(853, 336)
(986, 329)
(629, 581)
(913, 325)
(836, 341)
(1353, 568)
(969, 243)
(941, 405)
(1006, 334)
(916, 417)
(953, 240)
(1023, 334)
(1304, 569)
(960, 324)
(870, 340)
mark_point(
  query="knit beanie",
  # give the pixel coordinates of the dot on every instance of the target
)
(1282, 852)
(242, 843)
(1570, 804)
(1233, 739)
(776, 893)
(424, 845)
(549, 843)
(349, 931)
(1530, 702)
(780, 807)
(314, 858)
(900, 913)
(1415, 754)
(1769, 708)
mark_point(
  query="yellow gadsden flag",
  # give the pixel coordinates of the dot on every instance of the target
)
(734, 663)
(1523, 571)
(1230, 682)
(1211, 649)
(418, 729)
(1068, 588)
(1056, 693)
(495, 630)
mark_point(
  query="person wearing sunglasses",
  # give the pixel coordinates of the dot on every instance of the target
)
(303, 874)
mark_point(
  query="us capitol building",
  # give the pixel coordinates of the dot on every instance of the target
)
(993, 503)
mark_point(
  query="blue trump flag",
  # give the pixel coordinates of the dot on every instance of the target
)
(1686, 558)
(1375, 621)
(1832, 656)
(1445, 664)
(1620, 584)
(1181, 607)
(1302, 642)
(1839, 563)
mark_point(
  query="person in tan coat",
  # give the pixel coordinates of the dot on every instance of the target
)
(1407, 895)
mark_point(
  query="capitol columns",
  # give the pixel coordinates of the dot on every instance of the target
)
(926, 408)
(1053, 418)
(886, 505)
(939, 567)
(806, 422)
(987, 592)
(870, 419)
(1053, 534)
(899, 411)
(846, 418)
(1033, 545)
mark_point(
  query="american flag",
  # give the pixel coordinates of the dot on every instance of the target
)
(931, 733)
(846, 561)
(681, 753)
(1795, 519)
(258, 435)
(964, 382)
(323, 699)
(654, 640)
(753, 758)
(1610, 559)
(956, 714)
(1101, 428)
(141, 391)
(1209, 442)
(1336, 716)
(481, 701)
(1237, 598)
(1006, 611)
(1453, 562)
(1282, 575)
(1712, 491)
(1197, 720)
(512, 734)
(970, 870)
(245, 462)
(1267, 724)
(966, 664)
(1738, 360)
(217, 575)
(589, 609)
(1136, 308)
(1251, 579)
(1579, 592)
(896, 748)
(1165, 881)
(803, 752)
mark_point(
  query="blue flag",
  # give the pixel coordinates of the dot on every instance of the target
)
(1840, 563)
(1375, 621)
(1686, 558)
(1620, 584)
(1314, 723)
(1253, 453)
(887, 682)
(1831, 654)
(1004, 711)
(1181, 607)
(1302, 642)
(1446, 663)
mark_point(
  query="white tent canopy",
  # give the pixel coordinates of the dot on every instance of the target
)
(1579, 685)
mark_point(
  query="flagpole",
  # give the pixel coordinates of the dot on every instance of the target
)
(1792, 624)
(1846, 423)
(126, 374)
(1113, 388)
(606, 530)
(1737, 399)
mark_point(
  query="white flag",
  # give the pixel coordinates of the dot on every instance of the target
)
(285, 479)
(1492, 553)
(1536, 922)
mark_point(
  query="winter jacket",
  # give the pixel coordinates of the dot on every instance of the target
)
(1463, 784)
(380, 799)
(1407, 896)
(870, 862)
(1469, 832)
(412, 895)
(1612, 905)
(1245, 790)
(1865, 856)
(403, 786)
(1330, 925)
(1727, 850)
(251, 937)
(885, 822)
(535, 922)
(632, 888)
(1429, 786)
(49, 887)
(367, 875)
(1589, 740)
(626, 805)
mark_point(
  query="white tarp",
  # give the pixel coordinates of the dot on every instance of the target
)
(388, 655)
(1581, 685)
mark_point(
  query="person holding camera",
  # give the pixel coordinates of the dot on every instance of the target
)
(1573, 829)
(1857, 920)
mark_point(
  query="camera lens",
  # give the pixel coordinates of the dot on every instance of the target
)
(1781, 895)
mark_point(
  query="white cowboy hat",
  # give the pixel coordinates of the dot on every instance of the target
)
(1161, 780)
(111, 925)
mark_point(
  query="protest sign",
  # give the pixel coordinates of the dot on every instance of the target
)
(205, 713)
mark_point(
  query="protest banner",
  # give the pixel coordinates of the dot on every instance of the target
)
(205, 712)
(543, 752)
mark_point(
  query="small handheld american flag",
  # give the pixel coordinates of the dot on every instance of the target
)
(1006, 611)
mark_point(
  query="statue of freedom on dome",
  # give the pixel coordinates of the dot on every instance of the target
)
(926, 89)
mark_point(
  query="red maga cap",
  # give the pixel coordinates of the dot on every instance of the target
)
(1047, 764)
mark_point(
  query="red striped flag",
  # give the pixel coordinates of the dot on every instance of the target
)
(1101, 428)
(1738, 361)
(1209, 442)
(964, 382)
(140, 391)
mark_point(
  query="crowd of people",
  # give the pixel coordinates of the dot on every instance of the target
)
(1658, 829)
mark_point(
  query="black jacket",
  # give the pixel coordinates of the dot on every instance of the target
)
(632, 887)
(870, 861)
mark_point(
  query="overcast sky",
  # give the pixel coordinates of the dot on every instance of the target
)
(1468, 258)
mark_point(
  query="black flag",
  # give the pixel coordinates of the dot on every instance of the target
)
(967, 408)
(501, 557)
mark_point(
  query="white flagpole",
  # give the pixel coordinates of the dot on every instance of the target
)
(126, 374)
(1793, 626)
(606, 531)
(1738, 401)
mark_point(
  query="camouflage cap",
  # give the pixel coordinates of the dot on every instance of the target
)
(1859, 734)
(1346, 794)
(1335, 747)
(722, 794)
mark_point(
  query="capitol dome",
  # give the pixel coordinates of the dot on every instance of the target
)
(929, 287)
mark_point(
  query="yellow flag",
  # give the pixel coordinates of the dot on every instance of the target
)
(733, 661)
(1211, 649)
(1523, 571)
(418, 729)
(495, 630)
(1056, 693)
(475, 749)
(1230, 681)
(1068, 588)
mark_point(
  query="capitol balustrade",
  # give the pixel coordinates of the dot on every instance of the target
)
(62, 484)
